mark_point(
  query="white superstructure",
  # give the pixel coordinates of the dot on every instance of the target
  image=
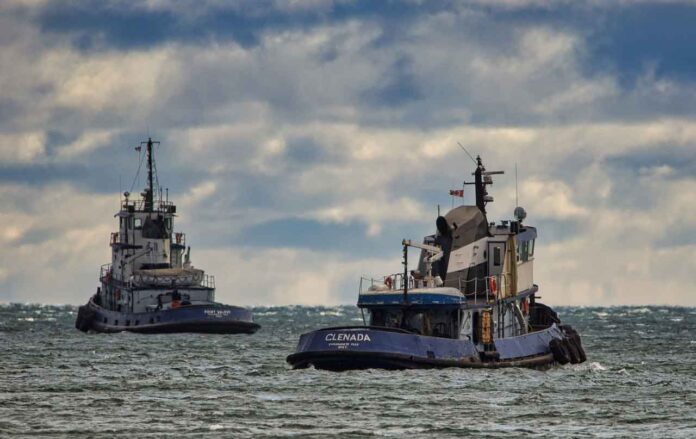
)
(150, 263)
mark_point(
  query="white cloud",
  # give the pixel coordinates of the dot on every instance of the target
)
(375, 211)
(253, 276)
(131, 82)
(87, 142)
(22, 147)
(231, 116)
(551, 199)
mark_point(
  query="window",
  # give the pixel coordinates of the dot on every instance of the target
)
(168, 224)
(496, 256)
(525, 250)
(384, 317)
(531, 247)
(138, 223)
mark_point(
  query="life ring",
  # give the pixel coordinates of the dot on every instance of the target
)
(388, 282)
(492, 286)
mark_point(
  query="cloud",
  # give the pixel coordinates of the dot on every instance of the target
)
(22, 147)
(253, 276)
(314, 135)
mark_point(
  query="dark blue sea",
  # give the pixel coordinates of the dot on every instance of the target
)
(639, 381)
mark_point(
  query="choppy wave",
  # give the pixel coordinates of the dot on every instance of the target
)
(639, 381)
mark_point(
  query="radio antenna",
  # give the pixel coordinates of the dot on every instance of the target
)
(467, 153)
(517, 202)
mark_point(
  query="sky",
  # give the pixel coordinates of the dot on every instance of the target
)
(303, 139)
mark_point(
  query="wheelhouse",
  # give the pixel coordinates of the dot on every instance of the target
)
(429, 312)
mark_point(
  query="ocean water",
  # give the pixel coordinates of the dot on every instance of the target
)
(639, 381)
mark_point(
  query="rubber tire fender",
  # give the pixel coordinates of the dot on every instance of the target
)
(84, 318)
(574, 338)
(578, 344)
(569, 344)
(559, 351)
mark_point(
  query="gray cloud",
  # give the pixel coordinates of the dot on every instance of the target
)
(284, 124)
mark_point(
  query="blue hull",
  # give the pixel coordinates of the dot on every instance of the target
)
(362, 347)
(211, 319)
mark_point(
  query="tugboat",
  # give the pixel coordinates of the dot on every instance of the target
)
(471, 302)
(150, 285)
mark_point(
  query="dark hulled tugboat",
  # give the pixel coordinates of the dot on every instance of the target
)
(471, 302)
(150, 285)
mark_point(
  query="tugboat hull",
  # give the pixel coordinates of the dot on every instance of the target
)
(209, 319)
(340, 349)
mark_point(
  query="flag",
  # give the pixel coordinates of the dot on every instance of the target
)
(457, 193)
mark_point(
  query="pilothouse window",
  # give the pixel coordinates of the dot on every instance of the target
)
(526, 250)
(496, 256)
(437, 324)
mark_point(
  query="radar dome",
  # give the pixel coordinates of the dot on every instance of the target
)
(520, 213)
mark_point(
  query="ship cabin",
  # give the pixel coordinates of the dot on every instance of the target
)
(432, 312)
(471, 274)
(150, 265)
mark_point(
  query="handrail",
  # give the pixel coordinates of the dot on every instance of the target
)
(139, 205)
(105, 274)
(208, 281)
(502, 281)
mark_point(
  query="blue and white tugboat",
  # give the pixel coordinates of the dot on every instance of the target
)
(471, 302)
(150, 285)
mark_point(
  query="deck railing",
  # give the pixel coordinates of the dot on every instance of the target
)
(139, 205)
(488, 288)
(105, 275)
(208, 281)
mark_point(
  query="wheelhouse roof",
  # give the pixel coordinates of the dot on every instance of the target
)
(418, 296)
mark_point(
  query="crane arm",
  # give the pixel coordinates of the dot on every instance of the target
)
(436, 253)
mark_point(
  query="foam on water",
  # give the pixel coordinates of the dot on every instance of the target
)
(57, 381)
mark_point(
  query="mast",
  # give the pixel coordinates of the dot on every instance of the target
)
(404, 305)
(405, 279)
(481, 179)
(149, 191)
(478, 184)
